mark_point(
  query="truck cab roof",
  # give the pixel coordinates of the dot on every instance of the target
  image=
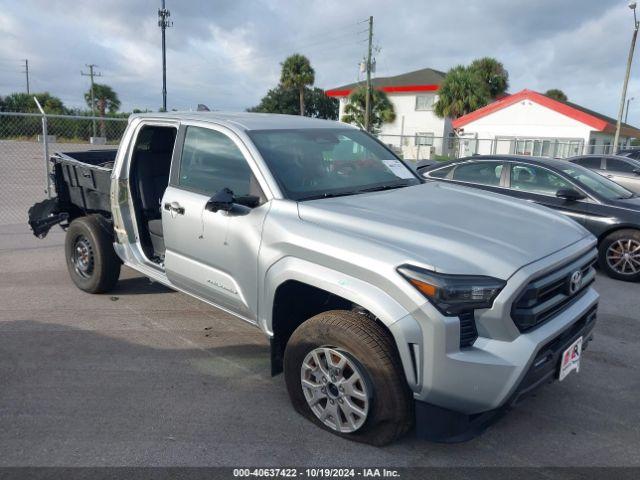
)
(247, 120)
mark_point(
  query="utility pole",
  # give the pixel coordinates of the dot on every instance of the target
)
(26, 71)
(93, 108)
(367, 104)
(163, 23)
(616, 138)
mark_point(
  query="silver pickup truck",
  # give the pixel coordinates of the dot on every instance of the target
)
(389, 301)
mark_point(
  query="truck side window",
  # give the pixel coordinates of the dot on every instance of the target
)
(211, 161)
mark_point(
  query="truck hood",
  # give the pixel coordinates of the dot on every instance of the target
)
(448, 228)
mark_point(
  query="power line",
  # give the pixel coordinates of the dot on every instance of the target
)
(243, 59)
(93, 109)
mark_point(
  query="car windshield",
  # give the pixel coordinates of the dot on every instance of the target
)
(322, 163)
(599, 184)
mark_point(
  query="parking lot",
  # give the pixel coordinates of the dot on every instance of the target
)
(148, 376)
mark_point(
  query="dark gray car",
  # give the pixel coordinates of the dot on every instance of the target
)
(622, 170)
(606, 209)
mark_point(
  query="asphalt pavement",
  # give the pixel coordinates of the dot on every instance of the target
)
(150, 377)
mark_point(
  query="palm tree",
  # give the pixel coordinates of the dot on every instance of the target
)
(556, 94)
(493, 73)
(104, 98)
(381, 108)
(461, 92)
(297, 73)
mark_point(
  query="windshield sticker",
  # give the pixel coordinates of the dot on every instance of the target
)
(398, 169)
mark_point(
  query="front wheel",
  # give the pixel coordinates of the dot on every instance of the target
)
(343, 373)
(619, 255)
(91, 260)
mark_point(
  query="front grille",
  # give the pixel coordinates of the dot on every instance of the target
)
(550, 294)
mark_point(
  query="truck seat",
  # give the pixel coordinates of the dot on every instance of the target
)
(156, 234)
(152, 171)
(152, 177)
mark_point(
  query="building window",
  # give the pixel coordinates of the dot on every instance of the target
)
(592, 145)
(424, 138)
(545, 147)
(424, 102)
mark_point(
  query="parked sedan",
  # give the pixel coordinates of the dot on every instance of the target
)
(606, 209)
(622, 170)
(630, 153)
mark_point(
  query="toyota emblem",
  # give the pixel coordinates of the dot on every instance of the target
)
(575, 282)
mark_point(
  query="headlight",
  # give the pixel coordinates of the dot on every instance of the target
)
(453, 294)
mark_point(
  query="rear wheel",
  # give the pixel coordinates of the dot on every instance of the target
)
(619, 255)
(344, 374)
(91, 260)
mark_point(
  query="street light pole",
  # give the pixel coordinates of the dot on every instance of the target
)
(616, 138)
(163, 23)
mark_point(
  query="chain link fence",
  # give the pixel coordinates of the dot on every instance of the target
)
(24, 139)
(420, 147)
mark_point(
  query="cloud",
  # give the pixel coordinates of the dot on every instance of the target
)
(227, 54)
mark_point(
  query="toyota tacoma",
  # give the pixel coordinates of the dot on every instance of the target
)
(389, 301)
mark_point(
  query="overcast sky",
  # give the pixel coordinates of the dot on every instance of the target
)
(226, 54)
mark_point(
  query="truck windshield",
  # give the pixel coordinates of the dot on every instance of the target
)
(596, 182)
(321, 163)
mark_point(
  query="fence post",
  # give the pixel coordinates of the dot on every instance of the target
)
(45, 149)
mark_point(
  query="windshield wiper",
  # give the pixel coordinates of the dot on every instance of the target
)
(380, 188)
(327, 195)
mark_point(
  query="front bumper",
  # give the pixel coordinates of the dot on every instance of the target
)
(442, 424)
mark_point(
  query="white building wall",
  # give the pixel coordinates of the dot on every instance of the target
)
(529, 120)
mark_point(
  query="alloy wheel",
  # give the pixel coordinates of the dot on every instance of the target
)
(623, 256)
(336, 389)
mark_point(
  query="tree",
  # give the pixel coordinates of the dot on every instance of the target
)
(297, 73)
(319, 105)
(23, 102)
(462, 91)
(105, 99)
(381, 108)
(493, 74)
(286, 100)
(556, 94)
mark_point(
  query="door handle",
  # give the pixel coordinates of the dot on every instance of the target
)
(174, 207)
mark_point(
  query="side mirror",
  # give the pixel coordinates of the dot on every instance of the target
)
(637, 171)
(222, 200)
(570, 194)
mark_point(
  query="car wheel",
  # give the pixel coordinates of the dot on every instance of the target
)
(619, 255)
(91, 260)
(343, 373)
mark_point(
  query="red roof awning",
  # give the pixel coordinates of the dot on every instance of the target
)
(388, 89)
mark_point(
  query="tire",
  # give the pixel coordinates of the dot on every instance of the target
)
(367, 346)
(611, 252)
(91, 260)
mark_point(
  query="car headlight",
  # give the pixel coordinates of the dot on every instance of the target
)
(453, 294)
